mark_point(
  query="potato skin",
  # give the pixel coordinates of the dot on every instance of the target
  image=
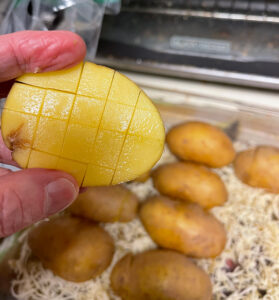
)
(160, 275)
(73, 248)
(202, 143)
(190, 182)
(184, 227)
(144, 177)
(259, 167)
(106, 204)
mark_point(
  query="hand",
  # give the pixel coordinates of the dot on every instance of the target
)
(26, 196)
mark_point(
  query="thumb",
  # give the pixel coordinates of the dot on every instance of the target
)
(28, 196)
(34, 51)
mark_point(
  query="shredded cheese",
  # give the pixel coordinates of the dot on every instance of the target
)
(248, 268)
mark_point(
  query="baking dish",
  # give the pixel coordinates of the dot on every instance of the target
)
(248, 267)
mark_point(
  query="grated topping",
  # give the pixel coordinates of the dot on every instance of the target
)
(248, 268)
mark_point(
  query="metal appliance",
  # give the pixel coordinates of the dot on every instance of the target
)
(228, 41)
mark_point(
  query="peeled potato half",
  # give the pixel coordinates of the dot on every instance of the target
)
(89, 121)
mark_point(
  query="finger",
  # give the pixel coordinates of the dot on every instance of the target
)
(30, 195)
(38, 51)
(4, 171)
(6, 154)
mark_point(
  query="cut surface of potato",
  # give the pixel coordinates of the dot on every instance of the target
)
(90, 117)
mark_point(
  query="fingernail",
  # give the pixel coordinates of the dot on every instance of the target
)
(59, 194)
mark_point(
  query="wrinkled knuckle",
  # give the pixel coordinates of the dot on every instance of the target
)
(11, 212)
(19, 58)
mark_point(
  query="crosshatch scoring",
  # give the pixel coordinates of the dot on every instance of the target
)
(65, 127)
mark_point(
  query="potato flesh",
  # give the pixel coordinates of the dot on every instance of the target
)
(73, 248)
(160, 275)
(90, 121)
(183, 227)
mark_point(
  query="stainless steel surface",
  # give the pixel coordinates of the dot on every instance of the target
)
(206, 14)
(233, 42)
(184, 71)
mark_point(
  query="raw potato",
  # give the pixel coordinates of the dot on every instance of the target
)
(160, 275)
(89, 121)
(144, 177)
(184, 227)
(259, 167)
(190, 182)
(73, 248)
(106, 204)
(202, 143)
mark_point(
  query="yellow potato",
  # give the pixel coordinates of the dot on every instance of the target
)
(73, 248)
(190, 182)
(184, 227)
(143, 178)
(89, 121)
(259, 167)
(202, 143)
(160, 275)
(106, 204)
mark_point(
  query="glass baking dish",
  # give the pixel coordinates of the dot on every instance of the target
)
(254, 113)
(250, 117)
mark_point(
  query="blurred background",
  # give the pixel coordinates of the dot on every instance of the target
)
(227, 41)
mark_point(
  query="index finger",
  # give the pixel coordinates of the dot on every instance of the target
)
(35, 51)
(38, 51)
